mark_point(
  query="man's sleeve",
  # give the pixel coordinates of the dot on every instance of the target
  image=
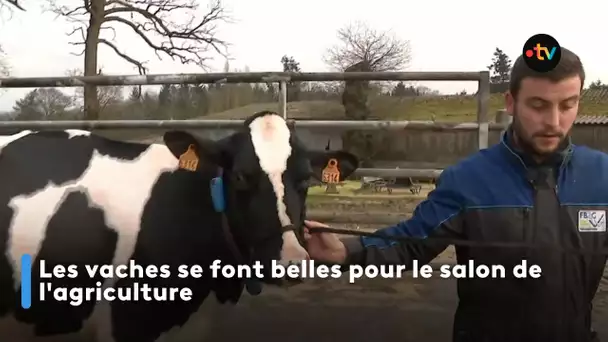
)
(439, 215)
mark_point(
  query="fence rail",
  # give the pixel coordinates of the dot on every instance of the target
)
(232, 124)
(387, 173)
(482, 125)
(236, 77)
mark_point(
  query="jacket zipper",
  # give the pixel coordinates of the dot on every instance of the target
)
(527, 230)
(532, 220)
(564, 257)
(529, 216)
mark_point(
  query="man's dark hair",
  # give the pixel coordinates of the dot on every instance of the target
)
(569, 65)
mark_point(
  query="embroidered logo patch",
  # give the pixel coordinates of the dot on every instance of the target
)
(592, 220)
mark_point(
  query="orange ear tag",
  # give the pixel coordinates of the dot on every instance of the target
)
(330, 173)
(189, 160)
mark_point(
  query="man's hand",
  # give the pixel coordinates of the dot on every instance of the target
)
(324, 247)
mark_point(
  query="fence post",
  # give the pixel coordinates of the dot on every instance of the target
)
(483, 106)
(283, 99)
(503, 117)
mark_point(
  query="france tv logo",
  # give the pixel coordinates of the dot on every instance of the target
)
(542, 53)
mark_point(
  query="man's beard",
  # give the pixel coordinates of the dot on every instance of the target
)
(526, 144)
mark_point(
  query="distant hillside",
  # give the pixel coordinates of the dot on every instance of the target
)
(386, 108)
(456, 108)
(303, 110)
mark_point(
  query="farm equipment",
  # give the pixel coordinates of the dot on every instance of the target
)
(377, 185)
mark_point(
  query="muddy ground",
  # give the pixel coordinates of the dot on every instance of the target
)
(385, 310)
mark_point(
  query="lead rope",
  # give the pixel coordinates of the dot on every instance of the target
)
(456, 242)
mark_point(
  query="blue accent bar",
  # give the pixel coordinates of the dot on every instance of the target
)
(26, 281)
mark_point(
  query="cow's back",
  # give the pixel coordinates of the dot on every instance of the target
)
(69, 196)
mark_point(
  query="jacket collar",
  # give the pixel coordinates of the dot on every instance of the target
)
(559, 158)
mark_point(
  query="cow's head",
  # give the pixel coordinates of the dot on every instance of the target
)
(266, 171)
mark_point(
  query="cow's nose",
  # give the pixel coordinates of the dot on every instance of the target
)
(289, 277)
(288, 281)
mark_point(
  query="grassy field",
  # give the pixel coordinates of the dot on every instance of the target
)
(460, 109)
(349, 189)
(363, 208)
(368, 200)
(438, 108)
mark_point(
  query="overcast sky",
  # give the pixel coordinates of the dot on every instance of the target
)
(445, 35)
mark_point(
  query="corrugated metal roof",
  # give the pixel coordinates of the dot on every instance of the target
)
(591, 120)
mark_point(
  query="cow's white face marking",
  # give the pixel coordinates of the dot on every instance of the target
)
(270, 137)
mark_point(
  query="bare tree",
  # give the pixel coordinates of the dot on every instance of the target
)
(10, 5)
(361, 48)
(358, 43)
(188, 37)
(42, 104)
(106, 95)
(13, 3)
(4, 67)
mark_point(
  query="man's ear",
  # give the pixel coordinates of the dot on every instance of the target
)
(204, 150)
(347, 162)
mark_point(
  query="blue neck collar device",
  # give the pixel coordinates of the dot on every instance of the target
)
(217, 194)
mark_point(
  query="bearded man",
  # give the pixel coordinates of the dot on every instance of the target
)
(535, 188)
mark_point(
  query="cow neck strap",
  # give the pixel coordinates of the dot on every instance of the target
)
(217, 196)
(219, 204)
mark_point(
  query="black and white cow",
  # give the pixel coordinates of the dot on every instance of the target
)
(70, 197)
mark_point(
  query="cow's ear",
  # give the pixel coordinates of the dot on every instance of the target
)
(194, 152)
(347, 162)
